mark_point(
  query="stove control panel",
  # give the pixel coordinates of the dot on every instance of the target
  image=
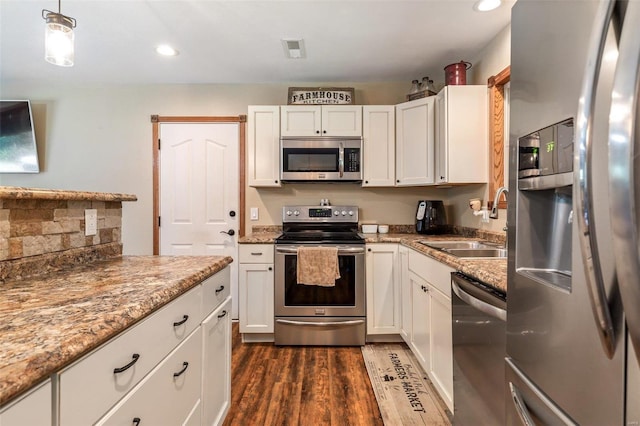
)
(330, 214)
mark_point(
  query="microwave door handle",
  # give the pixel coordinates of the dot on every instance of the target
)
(341, 160)
(623, 141)
(582, 181)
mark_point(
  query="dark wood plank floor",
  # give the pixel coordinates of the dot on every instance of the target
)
(294, 385)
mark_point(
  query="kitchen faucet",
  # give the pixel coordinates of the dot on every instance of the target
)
(494, 209)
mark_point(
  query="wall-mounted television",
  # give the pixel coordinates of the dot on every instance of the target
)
(18, 151)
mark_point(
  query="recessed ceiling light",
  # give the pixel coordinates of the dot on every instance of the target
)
(294, 48)
(486, 5)
(166, 50)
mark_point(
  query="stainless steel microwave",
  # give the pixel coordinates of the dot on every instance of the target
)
(318, 159)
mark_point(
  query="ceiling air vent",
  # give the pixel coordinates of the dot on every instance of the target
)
(294, 48)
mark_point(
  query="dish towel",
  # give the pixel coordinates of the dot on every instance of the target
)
(318, 266)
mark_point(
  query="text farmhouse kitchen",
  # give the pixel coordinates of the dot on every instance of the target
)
(317, 96)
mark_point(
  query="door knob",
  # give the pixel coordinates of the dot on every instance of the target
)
(230, 232)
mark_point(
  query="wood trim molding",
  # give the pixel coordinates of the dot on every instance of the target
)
(155, 135)
(496, 132)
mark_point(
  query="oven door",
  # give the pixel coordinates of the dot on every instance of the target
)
(345, 299)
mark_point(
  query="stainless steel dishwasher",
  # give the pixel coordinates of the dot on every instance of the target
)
(479, 314)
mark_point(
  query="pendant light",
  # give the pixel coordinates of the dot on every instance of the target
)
(58, 38)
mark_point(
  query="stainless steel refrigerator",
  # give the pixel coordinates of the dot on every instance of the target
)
(573, 312)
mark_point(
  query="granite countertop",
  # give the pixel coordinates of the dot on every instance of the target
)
(490, 271)
(15, 192)
(49, 321)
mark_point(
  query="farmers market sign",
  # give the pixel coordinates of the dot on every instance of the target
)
(320, 96)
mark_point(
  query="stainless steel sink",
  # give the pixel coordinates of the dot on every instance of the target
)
(469, 248)
(483, 252)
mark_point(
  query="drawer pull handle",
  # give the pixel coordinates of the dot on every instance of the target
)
(185, 365)
(126, 367)
(218, 290)
(184, 319)
(223, 314)
(258, 253)
(136, 421)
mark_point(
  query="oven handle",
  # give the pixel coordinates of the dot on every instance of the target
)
(350, 250)
(321, 324)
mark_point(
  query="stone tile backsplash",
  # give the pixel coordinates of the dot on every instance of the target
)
(32, 227)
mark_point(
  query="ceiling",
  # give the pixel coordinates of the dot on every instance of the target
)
(238, 41)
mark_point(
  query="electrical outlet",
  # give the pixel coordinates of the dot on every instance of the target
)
(254, 213)
(90, 222)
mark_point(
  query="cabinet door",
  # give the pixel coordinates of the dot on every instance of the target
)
(406, 295)
(256, 298)
(421, 320)
(442, 160)
(301, 120)
(341, 120)
(379, 152)
(462, 137)
(441, 346)
(383, 289)
(263, 146)
(34, 408)
(216, 365)
(415, 135)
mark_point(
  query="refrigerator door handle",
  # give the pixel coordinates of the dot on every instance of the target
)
(624, 186)
(582, 180)
(521, 407)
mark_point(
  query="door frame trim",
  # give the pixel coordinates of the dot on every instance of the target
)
(496, 85)
(155, 132)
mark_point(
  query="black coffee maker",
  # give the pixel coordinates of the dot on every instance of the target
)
(431, 217)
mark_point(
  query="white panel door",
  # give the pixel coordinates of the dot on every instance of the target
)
(199, 192)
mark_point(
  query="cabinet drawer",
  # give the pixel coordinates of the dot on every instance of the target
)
(162, 397)
(256, 253)
(215, 290)
(432, 271)
(90, 386)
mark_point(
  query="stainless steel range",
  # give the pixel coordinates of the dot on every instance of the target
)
(312, 314)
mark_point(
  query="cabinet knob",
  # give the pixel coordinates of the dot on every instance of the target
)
(398, 181)
(324, 131)
(232, 213)
(369, 250)
(276, 181)
(270, 268)
(317, 131)
(366, 181)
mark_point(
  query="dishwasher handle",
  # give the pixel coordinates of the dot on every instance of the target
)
(496, 310)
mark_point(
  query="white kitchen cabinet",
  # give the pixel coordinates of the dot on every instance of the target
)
(379, 145)
(256, 292)
(432, 331)
(321, 120)
(415, 139)
(462, 145)
(263, 146)
(216, 380)
(383, 289)
(33, 408)
(421, 321)
(405, 296)
(167, 394)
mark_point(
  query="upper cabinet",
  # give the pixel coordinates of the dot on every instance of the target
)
(415, 135)
(263, 145)
(378, 132)
(321, 120)
(462, 144)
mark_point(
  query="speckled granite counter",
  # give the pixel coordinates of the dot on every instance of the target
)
(50, 320)
(490, 271)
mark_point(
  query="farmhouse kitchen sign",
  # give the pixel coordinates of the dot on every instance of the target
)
(320, 96)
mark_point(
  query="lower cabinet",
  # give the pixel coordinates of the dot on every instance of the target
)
(34, 408)
(168, 394)
(216, 378)
(256, 292)
(431, 335)
(383, 289)
(173, 367)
